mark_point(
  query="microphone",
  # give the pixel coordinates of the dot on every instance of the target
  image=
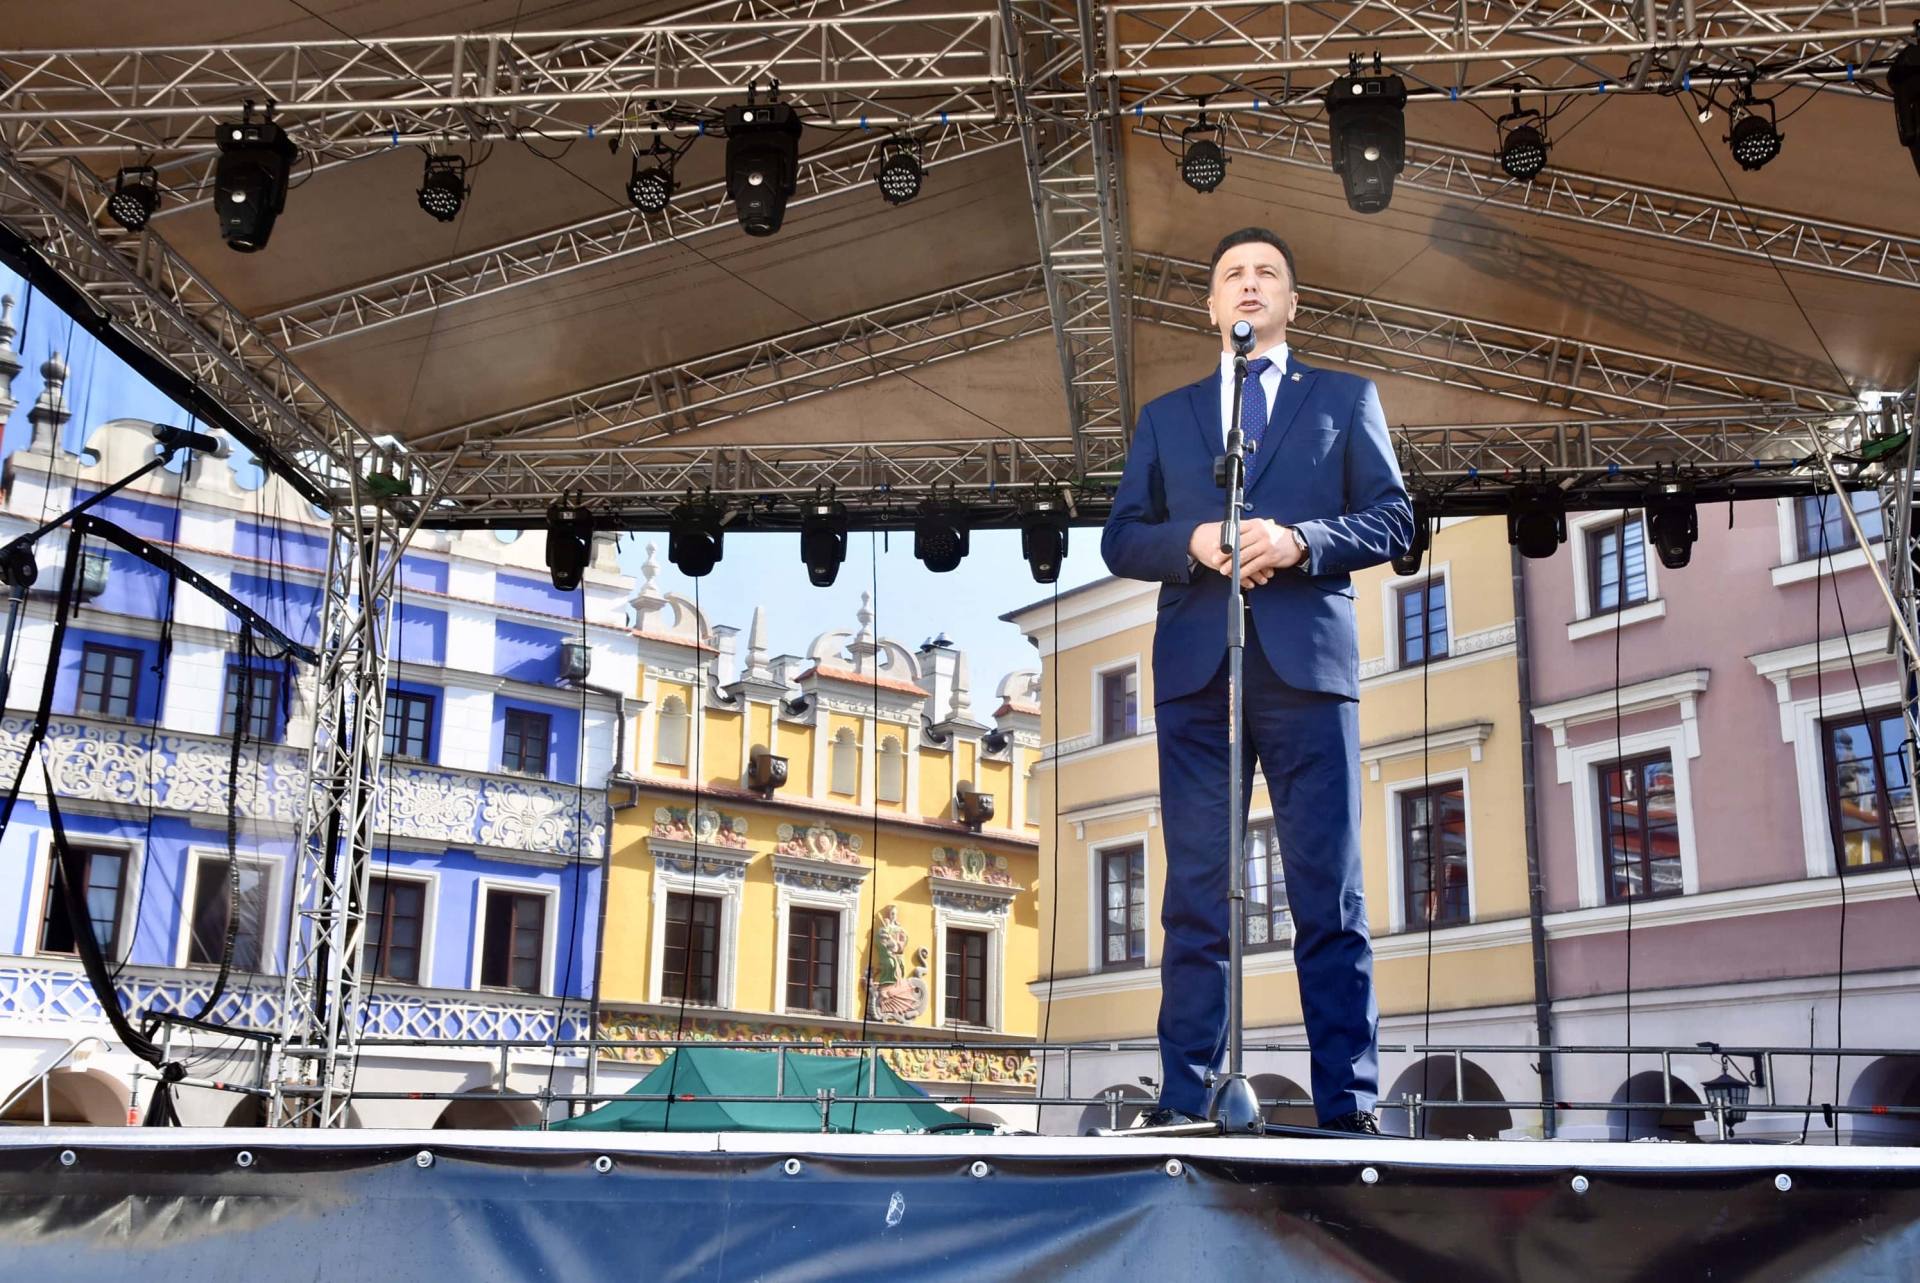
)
(1242, 334)
(172, 438)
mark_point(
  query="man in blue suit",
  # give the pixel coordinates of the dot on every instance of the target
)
(1324, 499)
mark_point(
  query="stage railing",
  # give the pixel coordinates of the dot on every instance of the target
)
(585, 1056)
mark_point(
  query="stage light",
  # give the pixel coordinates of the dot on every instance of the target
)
(1043, 540)
(823, 540)
(901, 174)
(1903, 82)
(443, 187)
(1673, 523)
(1523, 143)
(651, 189)
(695, 539)
(940, 536)
(1408, 562)
(1203, 161)
(569, 545)
(1755, 139)
(250, 181)
(136, 194)
(1537, 522)
(1367, 114)
(763, 160)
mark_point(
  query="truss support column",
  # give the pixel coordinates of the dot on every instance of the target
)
(313, 1061)
(1069, 132)
(1903, 573)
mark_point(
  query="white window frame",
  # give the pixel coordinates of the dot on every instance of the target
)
(662, 741)
(1390, 589)
(995, 927)
(1587, 623)
(1588, 760)
(1097, 903)
(1795, 570)
(271, 928)
(844, 903)
(728, 891)
(483, 887)
(881, 759)
(1810, 766)
(1099, 705)
(1396, 849)
(40, 890)
(429, 910)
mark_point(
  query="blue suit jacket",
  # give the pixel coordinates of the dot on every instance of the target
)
(1325, 466)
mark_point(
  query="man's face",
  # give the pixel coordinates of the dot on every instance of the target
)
(1251, 283)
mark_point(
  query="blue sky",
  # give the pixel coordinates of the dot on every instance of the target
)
(911, 603)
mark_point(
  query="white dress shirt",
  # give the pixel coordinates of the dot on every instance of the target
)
(1269, 384)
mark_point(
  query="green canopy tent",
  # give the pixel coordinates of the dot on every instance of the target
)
(705, 1072)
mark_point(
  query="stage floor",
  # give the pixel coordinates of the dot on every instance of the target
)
(198, 1205)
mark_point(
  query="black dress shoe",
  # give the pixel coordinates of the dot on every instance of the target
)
(1164, 1117)
(1360, 1122)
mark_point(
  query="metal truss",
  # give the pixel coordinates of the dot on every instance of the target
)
(313, 1063)
(160, 303)
(621, 233)
(636, 487)
(834, 60)
(1069, 133)
(791, 367)
(1467, 48)
(1370, 333)
(1791, 240)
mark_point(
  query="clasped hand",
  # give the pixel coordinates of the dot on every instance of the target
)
(1266, 547)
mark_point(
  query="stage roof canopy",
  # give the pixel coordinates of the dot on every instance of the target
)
(1644, 302)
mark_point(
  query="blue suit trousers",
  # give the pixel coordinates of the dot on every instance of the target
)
(1308, 746)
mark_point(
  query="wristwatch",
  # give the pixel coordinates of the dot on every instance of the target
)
(1304, 565)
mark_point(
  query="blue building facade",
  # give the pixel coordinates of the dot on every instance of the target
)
(492, 819)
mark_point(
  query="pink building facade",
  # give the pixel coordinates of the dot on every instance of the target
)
(1708, 821)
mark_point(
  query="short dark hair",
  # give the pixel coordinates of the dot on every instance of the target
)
(1254, 236)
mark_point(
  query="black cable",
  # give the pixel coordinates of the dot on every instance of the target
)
(696, 716)
(1618, 789)
(1426, 799)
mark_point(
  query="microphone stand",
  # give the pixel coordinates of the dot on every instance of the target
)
(1232, 1104)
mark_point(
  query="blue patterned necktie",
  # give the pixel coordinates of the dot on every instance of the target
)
(1253, 404)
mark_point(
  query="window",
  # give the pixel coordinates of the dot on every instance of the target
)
(396, 922)
(260, 689)
(1433, 846)
(1639, 828)
(214, 898)
(1610, 566)
(965, 980)
(893, 771)
(846, 762)
(109, 680)
(105, 881)
(516, 935)
(691, 958)
(1822, 527)
(1123, 927)
(1119, 704)
(1268, 925)
(1869, 793)
(1423, 621)
(671, 750)
(523, 742)
(410, 725)
(813, 960)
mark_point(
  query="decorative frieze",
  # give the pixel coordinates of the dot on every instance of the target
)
(969, 880)
(702, 843)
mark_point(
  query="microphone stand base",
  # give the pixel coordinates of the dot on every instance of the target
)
(1234, 1107)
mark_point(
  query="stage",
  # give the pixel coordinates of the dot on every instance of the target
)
(218, 1204)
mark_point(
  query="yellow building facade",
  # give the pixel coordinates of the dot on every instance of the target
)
(871, 895)
(1440, 771)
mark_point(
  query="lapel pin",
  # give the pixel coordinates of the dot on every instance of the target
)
(1295, 376)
